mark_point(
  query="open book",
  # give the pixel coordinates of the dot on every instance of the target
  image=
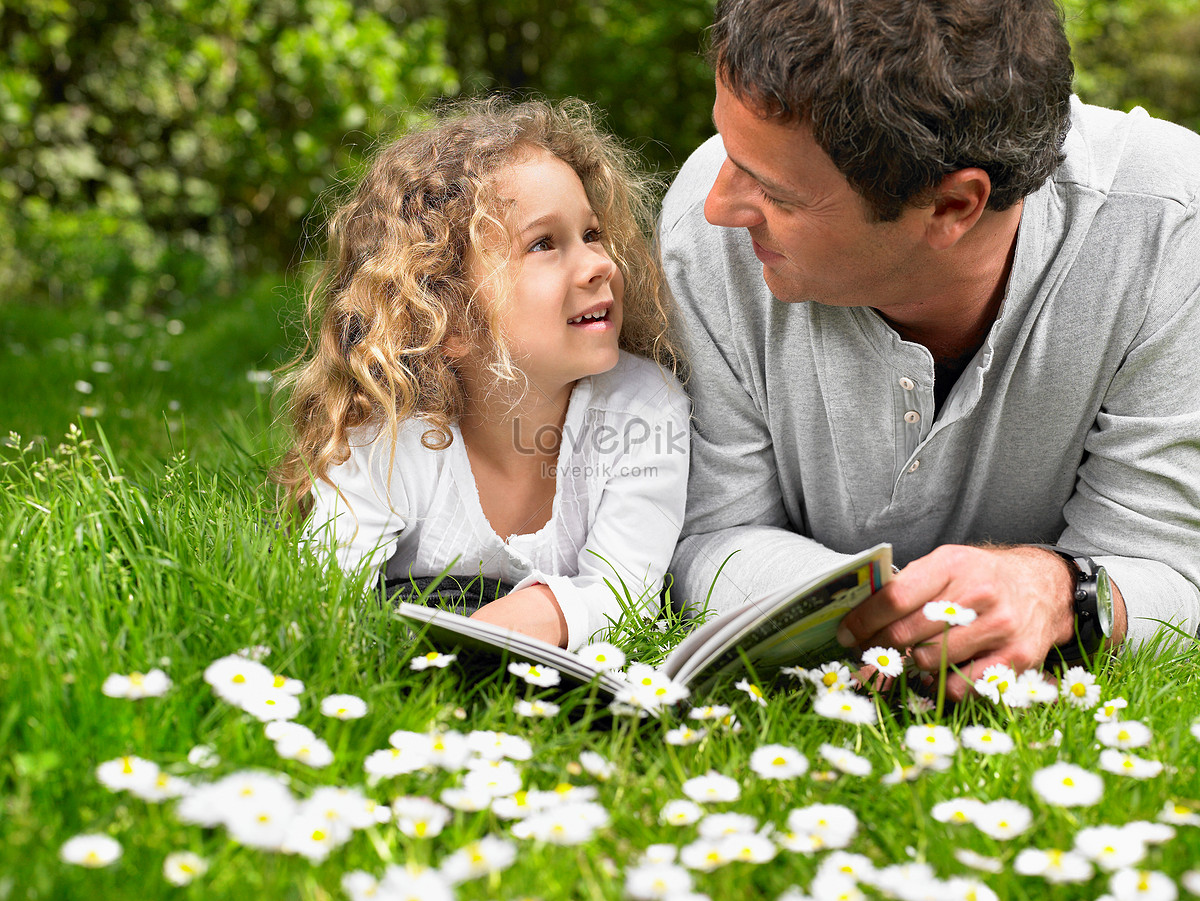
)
(794, 626)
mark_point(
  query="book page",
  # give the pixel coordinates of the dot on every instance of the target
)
(794, 627)
(448, 629)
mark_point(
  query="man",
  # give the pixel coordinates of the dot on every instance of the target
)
(931, 299)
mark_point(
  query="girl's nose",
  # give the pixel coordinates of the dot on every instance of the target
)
(597, 267)
(730, 202)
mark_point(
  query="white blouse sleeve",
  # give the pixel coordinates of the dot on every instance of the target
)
(637, 522)
(359, 509)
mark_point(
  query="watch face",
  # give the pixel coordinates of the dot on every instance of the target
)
(1104, 601)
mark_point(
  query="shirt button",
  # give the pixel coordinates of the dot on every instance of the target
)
(907, 384)
(916, 464)
(912, 416)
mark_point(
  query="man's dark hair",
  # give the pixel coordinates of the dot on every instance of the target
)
(900, 93)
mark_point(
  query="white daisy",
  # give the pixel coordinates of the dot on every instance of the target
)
(918, 704)
(1191, 881)
(843, 863)
(361, 886)
(1053, 865)
(660, 853)
(314, 752)
(448, 749)
(1078, 688)
(181, 867)
(1033, 687)
(680, 812)
(344, 707)
(976, 861)
(1123, 764)
(488, 855)
(1110, 847)
(492, 745)
(831, 676)
(755, 693)
(930, 737)
(649, 689)
(958, 811)
(204, 757)
(845, 706)
(136, 686)
(432, 659)
(1179, 814)
(709, 712)
(778, 762)
(945, 612)
(1123, 734)
(127, 773)
(90, 850)
(268, 704)
(1110, 710)
(657, 881)
(535, 708)
(887, 661)
(748, 847)
(536, 674)
(1067, 785)
(1143, 885)
(566, 824)
(824, 826)
(233, 676)
(712, 787)
(996, 683)
(719, 825)
(412, 882)
(602, 655)
(684, 735)
(986, 740)
(845, 760)
(1003, 819)
(704, 854)
(596, 765)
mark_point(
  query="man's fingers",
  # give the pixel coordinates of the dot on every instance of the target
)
(921, 581)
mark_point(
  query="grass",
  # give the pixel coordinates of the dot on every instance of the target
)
(127, 546)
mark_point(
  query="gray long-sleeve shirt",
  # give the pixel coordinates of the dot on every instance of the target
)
(1077, 423)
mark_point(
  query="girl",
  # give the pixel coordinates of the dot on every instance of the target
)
(487, 388)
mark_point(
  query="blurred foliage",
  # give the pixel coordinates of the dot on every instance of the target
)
(151, 149)
(640, 62)
(130, 128)
(1138, 53)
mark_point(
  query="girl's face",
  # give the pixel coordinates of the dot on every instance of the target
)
(563, 316)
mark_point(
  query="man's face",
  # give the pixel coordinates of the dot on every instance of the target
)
(810, 229)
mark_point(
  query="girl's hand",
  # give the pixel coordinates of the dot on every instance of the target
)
(532, 611)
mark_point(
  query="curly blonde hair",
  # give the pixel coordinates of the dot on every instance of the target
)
(396, 284)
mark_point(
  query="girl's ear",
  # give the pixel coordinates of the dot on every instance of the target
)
(456, 347)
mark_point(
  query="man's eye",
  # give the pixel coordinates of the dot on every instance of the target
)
(774, 201)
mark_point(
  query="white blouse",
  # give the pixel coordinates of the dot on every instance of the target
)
(621, 483)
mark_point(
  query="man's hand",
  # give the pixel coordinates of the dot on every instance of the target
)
(1022, 597)
(531, 611)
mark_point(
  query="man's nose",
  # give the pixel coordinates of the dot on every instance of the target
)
(731, 202)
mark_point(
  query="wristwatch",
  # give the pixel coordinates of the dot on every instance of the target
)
(1093, 605)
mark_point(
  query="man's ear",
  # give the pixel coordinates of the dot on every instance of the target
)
(958, 202)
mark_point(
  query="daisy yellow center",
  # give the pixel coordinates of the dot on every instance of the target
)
(476, 857)
(713, 856)
(1123, 735)
(239, 679)
(432, 655)
(264, 818)
(341, 710)
(931, 738)
(420, 828)
(1055, 857)
(395, 752)
(186, 868)
(534, 671)
(318, 835)
(1003, 824)
(1180, 810)
(756, 691)
(1078, 690)
(1128, 764)
(136, 678)
(950, 611)
(660, 691)
(278, 681)
(1002, 687)
(1069, 782)
(601, 658)
(162, 780)
(829, 679)
(778, 761)
(270, 702)
(1143, 882)
(92, 858)
(126, 766)
(563, 787)
(959, 816)
(987, 736)
(884, 660)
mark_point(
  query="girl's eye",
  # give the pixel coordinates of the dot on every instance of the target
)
(540, 244)
(593, 235)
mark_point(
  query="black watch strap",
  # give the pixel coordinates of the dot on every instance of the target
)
(1089, 633)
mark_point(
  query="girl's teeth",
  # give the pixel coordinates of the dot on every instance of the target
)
(601, 315)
